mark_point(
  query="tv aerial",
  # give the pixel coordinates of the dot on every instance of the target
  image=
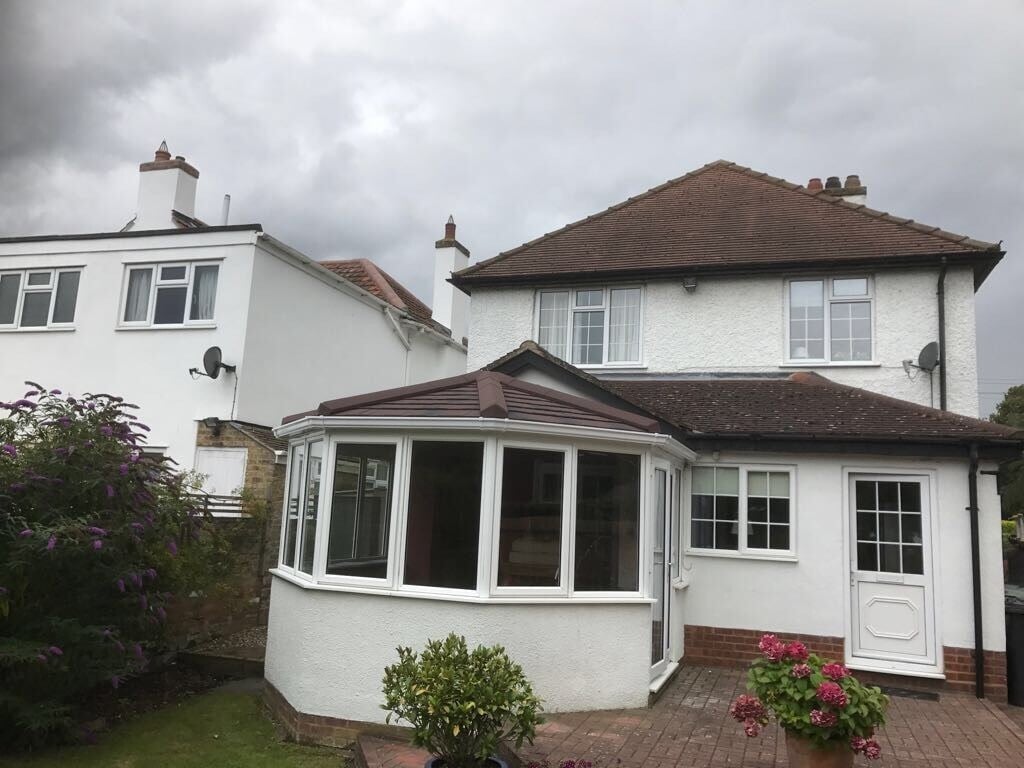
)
(212, 365)
(927, 359)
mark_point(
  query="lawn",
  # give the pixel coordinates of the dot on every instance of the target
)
(226, 729)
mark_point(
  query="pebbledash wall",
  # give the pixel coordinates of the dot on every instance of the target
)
(729, 601)
(738, 324)
(335, 645)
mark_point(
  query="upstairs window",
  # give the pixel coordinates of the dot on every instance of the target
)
(38, 298)
(830, 320)
(591, 326)
(169, 294)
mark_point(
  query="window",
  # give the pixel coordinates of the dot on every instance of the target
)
(443, 525)
(530, 536)
(830, 320)
(742, 509)
(889, 531)
(169, 294)
(302, 505)
(314, 461)
(607, 522)
(591, 326)
(361, 511)
(38, 298)
(296, 472)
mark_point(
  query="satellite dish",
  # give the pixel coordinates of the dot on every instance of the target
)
(927, 359)
(212, 363)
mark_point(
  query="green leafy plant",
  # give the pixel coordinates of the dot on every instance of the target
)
(810, 697)
(460, 703)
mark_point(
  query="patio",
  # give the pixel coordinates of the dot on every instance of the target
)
(689, 727)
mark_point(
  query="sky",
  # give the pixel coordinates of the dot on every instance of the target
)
(354, 129)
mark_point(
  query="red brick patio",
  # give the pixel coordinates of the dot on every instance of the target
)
(689, 727)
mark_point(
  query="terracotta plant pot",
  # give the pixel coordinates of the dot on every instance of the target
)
(492, 762)
(804, 753)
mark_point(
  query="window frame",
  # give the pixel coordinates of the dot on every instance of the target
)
(605, 307)
(294, 569)
(829, 297)
(156, 283)
(50, 288)
(743, 551)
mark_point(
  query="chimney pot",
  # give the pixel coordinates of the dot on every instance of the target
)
(162, 153)
(449, 229)
(833, 183)
(852, 181)
(814, 184)
(180, 157)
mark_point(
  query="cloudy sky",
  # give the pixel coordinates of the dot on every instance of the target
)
(354, 129)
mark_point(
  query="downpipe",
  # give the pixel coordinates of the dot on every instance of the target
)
(940, 293)
(979, 641)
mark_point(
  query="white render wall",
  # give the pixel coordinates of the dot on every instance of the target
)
(737, 324)
(326, 650)
(809, 595)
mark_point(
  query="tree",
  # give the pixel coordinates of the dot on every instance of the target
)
(1011, 474)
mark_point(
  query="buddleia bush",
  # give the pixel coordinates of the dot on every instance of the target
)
(90, 528)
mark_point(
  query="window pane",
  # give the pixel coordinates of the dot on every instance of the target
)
(136, 305)
(850, 286)
(554, 322)
(757, 536)
(910, 497)
(779, 484)
(866, 495)
(702, 534)
(530, 538)
(624, 325)
(607, 522)
(727, 481)
(170, 305)
(35, 309)
(38, 278)
(702, 507)
(779, 510)
(67, 297)
(297, 470)
(851, 331)
(443, 533)
(867, 526)
(588, 337)
(913, 560)
(757, 483)
(311, 505)
(204, 292)
(727, 536)
(361, 511)
(8, 298)
(778, 537)
(910, 527)
(757, 510)
(889, 527)
(867, 557)
(589, 298)
(889, 558)
(727, 507)
(888, 496)
(703, 479)
(807, 319)
(172, 273)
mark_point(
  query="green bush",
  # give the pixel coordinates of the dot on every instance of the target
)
(461, 703)
(90, 527)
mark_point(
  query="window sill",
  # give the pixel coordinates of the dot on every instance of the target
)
(189, 327)
(60, 329)
(730, 555)
(836, 364)
(455, 597)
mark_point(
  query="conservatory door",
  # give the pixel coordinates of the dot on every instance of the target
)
(661, 568)
(891, 575)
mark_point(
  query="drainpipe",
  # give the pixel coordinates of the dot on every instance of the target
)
(940, 292)
(979, 642)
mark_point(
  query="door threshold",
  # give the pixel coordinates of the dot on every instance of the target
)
(904, 671)
(660, 683)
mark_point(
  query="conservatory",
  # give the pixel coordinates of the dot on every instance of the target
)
(505, 511)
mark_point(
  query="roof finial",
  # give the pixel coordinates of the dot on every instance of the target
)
(449, 229)
(162, 152)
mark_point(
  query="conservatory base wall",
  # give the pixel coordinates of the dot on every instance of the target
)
(326, 650)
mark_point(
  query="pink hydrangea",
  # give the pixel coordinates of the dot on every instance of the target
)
(797, 651)
(772, 648)
(747, 707)
(823, 719)
(830, 693)
(801, 670)
(857, 743)
(871, 750)
(751, 728)
(835, 671)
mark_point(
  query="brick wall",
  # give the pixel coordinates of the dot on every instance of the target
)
(317, 729)
(721, 647)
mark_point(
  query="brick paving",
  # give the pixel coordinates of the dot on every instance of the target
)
(689, 727)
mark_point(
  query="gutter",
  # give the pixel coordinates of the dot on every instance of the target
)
(940, 293)
(979, 641)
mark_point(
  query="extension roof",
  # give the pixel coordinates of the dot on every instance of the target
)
(724, 218)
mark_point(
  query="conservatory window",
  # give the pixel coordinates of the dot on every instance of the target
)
(361, 510)
(591, 326)
(296, 472)
(443, 523)
(311, 503)
(530, 535)
(607, 522)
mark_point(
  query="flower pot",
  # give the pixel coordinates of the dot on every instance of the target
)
(804, 753)
(492, 762)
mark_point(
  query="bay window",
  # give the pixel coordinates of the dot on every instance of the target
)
(830, 320)
(591, 326)
(38, 298)
(302, 506)
(607, 522)
(169, 294)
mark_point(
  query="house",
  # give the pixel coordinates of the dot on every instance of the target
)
(135, 312)
(687, 420)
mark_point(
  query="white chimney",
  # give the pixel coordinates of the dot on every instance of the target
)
(450, 305)
(165, 185)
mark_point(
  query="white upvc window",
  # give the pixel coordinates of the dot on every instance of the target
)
(742, 510)
(38, 298)
(169, 294)
(830, 320)
(302, 505)
(591, 326)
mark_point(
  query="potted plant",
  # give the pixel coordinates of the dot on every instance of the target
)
(827, 714)
(460, 703)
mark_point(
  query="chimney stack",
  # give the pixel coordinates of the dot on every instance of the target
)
(852, 191)
(165, 185)
(450, 306)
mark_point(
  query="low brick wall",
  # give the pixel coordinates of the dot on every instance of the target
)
(724, 647)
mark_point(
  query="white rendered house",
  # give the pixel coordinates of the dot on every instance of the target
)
(131, 312)
(687, 422)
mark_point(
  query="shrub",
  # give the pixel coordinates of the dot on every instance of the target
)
(461, 703)
(89, 529)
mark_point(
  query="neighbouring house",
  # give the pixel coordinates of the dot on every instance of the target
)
(709, 432)
(134, 313)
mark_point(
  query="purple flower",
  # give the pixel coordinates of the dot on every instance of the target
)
(137, 649)
(135, 579)
(161, 613)
(97, 544)
(150, 573)
(17, 486)
(110, 491)
(31, 393)
(64, 421)
(119, 645)
(106, 430)
(143, 602)
(172, 547)
(42, 658)
(9, 449)
(24, 404)
(95, 531)
(120, 585)
(51, 543)
(55, 651)
(56, 392)
(115, 681)
(138, 526)
(26, 533)
(123, 469)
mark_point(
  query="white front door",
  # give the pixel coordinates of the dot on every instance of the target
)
(893, 623)
(661, 576)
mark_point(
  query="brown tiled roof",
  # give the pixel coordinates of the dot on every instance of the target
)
(484, 394)
(372, 278)
(720, 218)
(262, 435)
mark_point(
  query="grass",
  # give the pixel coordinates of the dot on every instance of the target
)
(222, 729)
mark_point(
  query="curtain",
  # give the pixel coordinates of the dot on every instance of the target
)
(204, 292)
(554, 322)
(136, 305)
(624, 326)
